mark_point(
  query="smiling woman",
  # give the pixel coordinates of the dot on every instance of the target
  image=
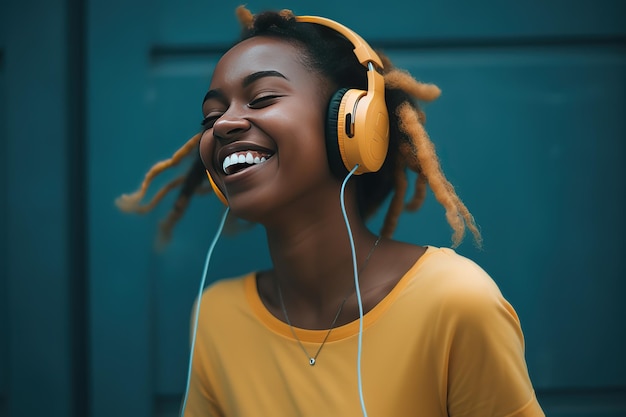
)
(306, 130)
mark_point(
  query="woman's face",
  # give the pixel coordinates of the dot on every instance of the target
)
(264, 139)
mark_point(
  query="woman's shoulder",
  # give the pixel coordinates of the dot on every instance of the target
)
(227, 290)
(219, 303)
(452, 282)
(445, 267)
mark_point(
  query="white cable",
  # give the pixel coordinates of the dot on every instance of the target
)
(358, 291)
(197, 309)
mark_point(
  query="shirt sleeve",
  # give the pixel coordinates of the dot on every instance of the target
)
(200, 401)
(199, 404)
(487, 373)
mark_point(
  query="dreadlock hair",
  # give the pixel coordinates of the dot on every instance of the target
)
(330, 55)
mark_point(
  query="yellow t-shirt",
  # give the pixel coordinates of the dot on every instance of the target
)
(444, 342)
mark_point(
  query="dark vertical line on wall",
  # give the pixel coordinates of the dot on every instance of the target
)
(4, 244)
(77, 204)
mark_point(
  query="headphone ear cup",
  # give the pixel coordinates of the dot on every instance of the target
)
(367, 141)
(333, 123)
(216, 190)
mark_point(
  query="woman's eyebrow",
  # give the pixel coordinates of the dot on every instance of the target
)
(249, 79)
(213, 94)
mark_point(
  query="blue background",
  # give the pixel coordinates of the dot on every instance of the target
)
(530, 128)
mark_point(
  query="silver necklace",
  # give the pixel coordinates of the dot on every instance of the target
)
(313, 359)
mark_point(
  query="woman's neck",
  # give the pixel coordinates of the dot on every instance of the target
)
(317, 263)
(313, 265)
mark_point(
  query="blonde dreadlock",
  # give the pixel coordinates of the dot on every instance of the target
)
(131, 202)
(191, 183)
(410, 145)
(418, 154)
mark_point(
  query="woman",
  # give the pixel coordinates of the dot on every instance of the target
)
(391, 329)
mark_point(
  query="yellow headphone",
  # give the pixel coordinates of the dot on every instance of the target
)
(357, 125)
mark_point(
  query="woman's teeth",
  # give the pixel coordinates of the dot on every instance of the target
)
(242, 158)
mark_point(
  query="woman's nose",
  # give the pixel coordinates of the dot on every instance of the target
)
(230, 125)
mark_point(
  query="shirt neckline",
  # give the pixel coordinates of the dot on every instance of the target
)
(339, 332)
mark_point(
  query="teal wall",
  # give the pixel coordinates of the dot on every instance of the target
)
(530, 128)
(42, 326)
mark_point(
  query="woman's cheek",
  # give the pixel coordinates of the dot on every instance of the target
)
(206, 149)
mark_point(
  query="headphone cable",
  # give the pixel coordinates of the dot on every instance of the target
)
(358, 290)
(197, 309)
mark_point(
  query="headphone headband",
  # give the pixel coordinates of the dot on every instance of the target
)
(362, 50)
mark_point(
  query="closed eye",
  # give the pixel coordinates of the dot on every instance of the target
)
(263, 101)
(209, 121)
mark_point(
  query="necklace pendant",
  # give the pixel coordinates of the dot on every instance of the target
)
(312, 361)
